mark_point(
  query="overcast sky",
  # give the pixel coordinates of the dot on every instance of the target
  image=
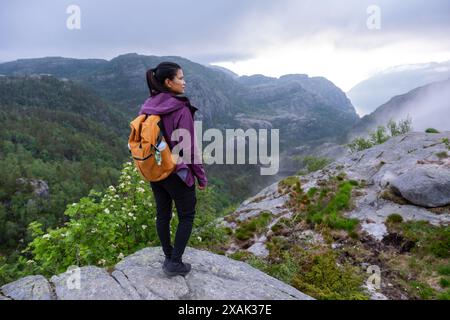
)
(319, 38)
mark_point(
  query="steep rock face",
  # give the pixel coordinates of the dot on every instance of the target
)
(297, 105)
(140, 277)
(406, 175)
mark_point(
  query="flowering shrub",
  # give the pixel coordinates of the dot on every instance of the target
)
(103, 228)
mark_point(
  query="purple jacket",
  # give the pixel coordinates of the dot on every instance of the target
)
(177, 112)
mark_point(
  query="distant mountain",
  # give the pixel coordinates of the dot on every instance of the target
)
(306, 110)
(428, 106)
(224, 70)
(371, 93)
(299, 106)
(122, 81)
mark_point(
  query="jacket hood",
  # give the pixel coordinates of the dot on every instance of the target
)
(164, 103)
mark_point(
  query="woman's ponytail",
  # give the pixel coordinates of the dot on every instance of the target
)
(157, 76)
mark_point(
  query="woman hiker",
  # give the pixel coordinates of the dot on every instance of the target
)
(166, 84)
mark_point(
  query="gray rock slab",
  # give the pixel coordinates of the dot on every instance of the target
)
(88, 283)
(28, 288)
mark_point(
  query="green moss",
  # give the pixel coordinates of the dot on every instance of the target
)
(354, 182)
(424, 291)
(446, 141)
(444, 295)
(329, 212)
(442, 155)
(444, 270)
(430, 239)
(312, 163)
(394, 218)
(444, 283)
(312, 191)
(288, 182)
(248, 228)
(240, 255)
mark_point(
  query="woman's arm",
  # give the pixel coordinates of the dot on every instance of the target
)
(186, 121)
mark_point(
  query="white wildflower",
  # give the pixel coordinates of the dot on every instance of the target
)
(142, 182)
(199, 239)
(94, 230)
(116, 196)
(111, 188)
(106, 211)
(101, 261)
(141, 190)
(46, 236)
(134, 218)
(30, 261)
(134, 207)
(130, 214)
(144, 227)
(120, 256)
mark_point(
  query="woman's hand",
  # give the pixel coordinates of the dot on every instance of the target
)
(201, 187)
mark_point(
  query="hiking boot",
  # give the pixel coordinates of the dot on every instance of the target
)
(176, 268)
(166, 261)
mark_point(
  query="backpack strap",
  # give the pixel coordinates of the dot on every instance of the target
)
(162, 131)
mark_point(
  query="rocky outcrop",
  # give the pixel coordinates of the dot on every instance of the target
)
(406, 175)
(40, 187)
(140, 277)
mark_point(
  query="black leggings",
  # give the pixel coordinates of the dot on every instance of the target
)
(173, 188)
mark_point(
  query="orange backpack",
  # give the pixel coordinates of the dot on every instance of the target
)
(149, 150)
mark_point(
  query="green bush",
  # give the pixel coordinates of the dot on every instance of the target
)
(446, 141)
(431, 130)
(314, 272)
(105, 227)
(380, 136)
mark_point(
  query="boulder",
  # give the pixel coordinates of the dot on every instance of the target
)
(424, 186)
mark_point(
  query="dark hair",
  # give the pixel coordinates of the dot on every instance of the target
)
(157, 76)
